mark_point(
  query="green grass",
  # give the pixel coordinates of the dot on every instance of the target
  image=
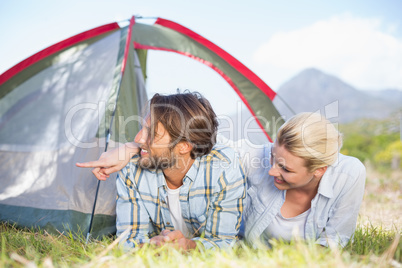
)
(372, 246)
(376, 243)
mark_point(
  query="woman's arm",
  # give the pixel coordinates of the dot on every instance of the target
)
(341, 224)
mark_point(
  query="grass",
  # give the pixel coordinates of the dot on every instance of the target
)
(376, 243)
(382, 204)
(372, 246)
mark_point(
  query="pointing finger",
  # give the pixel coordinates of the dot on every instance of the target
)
(91, 164)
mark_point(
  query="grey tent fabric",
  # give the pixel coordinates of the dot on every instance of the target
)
(51, 121)
(59, 106)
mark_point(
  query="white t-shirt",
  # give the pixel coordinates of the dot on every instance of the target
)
(286, 228)
(173, 202)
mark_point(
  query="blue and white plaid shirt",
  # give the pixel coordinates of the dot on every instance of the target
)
(211, 200)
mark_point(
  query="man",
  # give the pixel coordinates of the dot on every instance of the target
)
(180, 188)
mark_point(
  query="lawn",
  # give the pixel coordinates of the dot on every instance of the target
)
(377, 243)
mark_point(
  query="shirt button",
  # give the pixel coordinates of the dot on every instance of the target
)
(168, 223)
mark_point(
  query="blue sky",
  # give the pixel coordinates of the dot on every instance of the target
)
(358, 41)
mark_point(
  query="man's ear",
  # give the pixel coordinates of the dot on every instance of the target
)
(184, 147)
(319, 172)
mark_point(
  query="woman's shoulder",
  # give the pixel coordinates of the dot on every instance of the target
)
(347, 170)
(348, 164)
(347, 174)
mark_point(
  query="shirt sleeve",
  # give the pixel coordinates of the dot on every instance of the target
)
(130, 211)
(225, 209)
(342, 220)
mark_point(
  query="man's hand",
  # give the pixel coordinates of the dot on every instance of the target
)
(160, 239)
(111, 161)
(176, 238)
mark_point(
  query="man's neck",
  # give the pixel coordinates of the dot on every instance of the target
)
(174, 175)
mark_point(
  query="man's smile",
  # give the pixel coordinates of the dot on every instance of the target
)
(144, 152)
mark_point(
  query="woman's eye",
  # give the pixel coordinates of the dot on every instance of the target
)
(283, 168)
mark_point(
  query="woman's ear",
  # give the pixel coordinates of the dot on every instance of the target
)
(320, 171)
(184, 147)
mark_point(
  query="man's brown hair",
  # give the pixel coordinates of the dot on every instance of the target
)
(186, 117)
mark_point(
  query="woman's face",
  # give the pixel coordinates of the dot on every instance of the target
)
(289, 171)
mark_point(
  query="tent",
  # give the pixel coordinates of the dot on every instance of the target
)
(58, 106)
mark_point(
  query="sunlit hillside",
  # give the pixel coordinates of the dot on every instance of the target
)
(377, 143)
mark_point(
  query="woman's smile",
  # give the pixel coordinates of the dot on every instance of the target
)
(279, 181)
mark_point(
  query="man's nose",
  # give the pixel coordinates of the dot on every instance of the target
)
(141, 137)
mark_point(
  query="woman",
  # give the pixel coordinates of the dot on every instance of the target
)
(304, 187)
(299, 186)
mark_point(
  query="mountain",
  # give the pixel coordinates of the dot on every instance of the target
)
(392, 95)
(312, 90)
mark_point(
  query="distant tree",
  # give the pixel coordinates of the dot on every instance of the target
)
(357, 145)
(391, 156)
(376, 141)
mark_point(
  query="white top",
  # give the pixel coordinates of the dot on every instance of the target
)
(173, 202)
(286, 228)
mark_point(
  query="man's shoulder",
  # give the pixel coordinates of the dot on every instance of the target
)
(221, 153)
(222, 163)
(134, 160)
(132, 163)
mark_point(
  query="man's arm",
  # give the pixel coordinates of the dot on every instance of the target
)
(111, 161)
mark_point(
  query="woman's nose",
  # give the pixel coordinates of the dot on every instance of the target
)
(273, 171)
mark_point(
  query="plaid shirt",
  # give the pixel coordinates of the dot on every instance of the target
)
(211, 200)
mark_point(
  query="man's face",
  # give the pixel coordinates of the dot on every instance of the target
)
(157, 154)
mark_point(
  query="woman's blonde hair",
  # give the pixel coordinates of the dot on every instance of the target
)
(311, 137)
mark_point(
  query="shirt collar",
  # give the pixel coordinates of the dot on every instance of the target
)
(193, 171)
(326, 187)
(160, 177)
